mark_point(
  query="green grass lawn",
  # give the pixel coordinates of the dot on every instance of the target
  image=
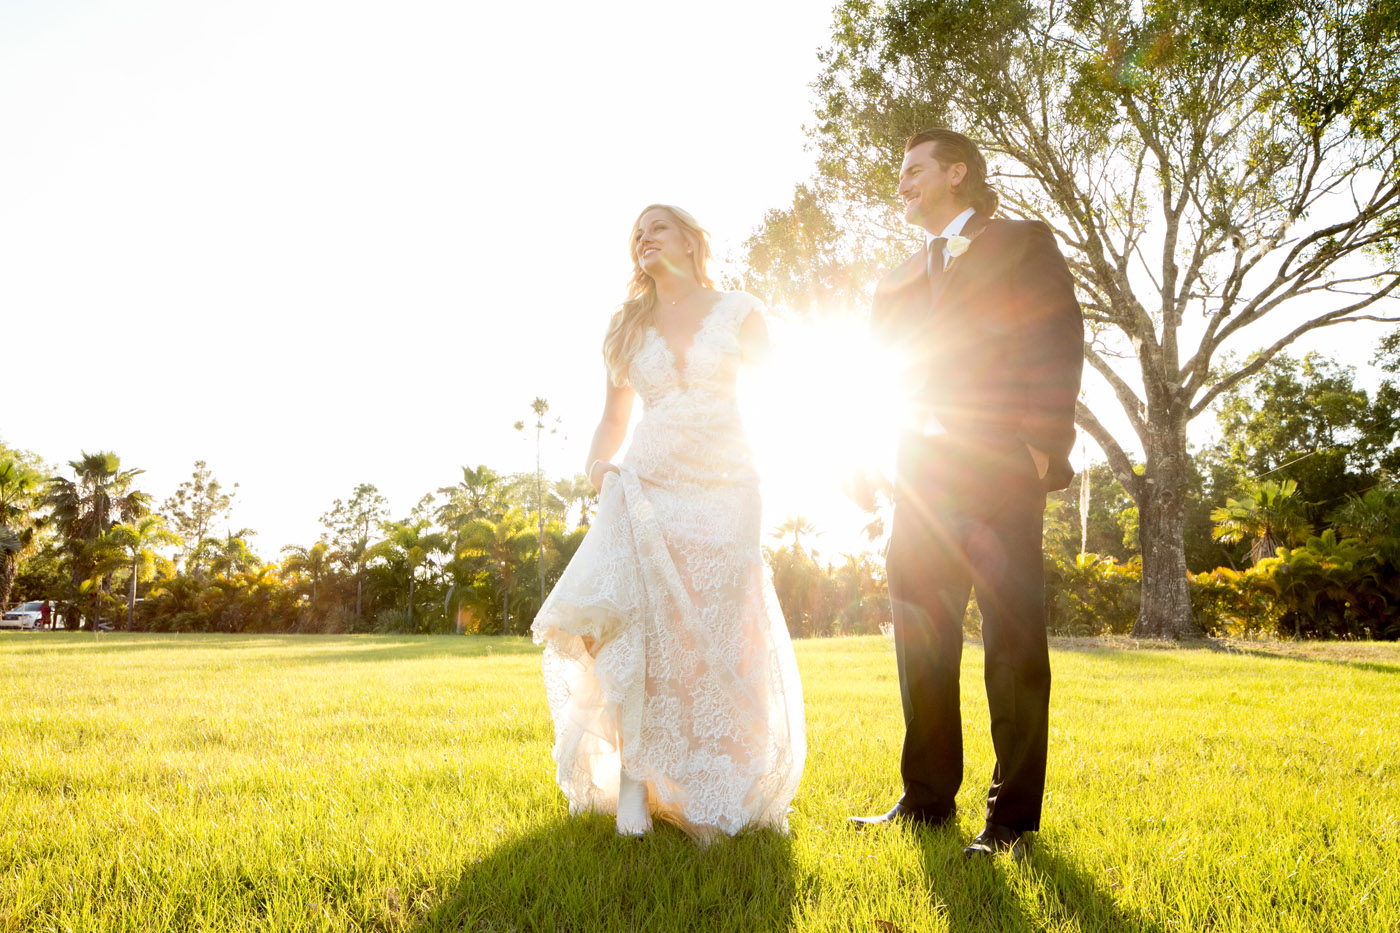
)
(238, 783)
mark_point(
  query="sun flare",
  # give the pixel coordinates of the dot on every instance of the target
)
(822, 407)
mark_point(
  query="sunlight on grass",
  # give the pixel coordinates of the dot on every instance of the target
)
(318, 783)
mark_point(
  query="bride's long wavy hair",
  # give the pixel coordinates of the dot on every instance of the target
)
(638, 311)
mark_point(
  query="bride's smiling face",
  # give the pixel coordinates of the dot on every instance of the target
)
(659, 246)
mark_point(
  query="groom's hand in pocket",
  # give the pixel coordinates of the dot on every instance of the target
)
(1042, 461)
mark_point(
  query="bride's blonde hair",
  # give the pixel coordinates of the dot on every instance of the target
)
(629, 324)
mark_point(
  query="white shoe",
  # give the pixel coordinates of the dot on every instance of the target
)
(633, 817)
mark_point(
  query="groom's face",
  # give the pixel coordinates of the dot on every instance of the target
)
(928, 188)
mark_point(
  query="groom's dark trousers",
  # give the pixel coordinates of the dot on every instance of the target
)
(994, 350)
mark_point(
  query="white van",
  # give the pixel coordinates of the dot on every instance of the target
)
(23, 616)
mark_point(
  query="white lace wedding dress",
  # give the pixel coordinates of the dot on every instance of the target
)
(665, 651)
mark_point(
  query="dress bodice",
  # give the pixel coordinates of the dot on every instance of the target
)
(710, 367)
(690, 430)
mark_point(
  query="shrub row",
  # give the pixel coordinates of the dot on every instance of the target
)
(1324, 589)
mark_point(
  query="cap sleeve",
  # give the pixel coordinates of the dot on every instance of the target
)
(743, 305)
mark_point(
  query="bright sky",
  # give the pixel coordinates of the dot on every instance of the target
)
(322, 243)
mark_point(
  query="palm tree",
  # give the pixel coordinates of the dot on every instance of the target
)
(411, 543)
(136, 544)
(797, 526)
(1270, 516)
(476, 496)
(579, 490)
(87, 506)
(19, 489)
(501, 546)
(100, 496)
(314, 562)
(540, 407)
(228, 555)
(1374, 520)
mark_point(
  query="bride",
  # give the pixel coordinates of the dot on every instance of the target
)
(667, 665)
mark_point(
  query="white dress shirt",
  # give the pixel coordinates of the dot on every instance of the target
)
(955, 227)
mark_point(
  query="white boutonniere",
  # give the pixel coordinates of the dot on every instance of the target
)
(957, 245)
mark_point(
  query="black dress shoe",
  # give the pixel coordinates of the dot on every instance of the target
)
(998, 840)
(900, 813)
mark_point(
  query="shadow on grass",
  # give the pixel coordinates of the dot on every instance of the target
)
(1147, 651)
(991, 894)
(1355, 663)
(577, 874)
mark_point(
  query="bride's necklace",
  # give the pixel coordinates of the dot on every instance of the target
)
(686, 297)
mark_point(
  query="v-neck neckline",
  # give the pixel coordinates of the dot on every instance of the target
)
(680, 363)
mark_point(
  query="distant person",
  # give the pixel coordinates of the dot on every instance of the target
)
(985, 314)
(46, 615)
(667, 664)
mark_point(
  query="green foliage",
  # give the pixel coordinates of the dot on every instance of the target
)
(1109, 502)
(850, 598)
(197, 504)
(469, 560)
(1269, 516)
(1329, 587)
(1374, 520)
(83, 509)
(132, 547)
(1307, 421)
(1092, 595)
(1332, 588)
(20, 487)
(1230, 602)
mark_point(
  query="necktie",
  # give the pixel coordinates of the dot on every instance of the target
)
(935, 269)
(935, 257)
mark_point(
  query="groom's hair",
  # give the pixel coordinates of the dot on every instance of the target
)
(950, 147)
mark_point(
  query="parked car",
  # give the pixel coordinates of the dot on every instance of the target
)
(25, 615)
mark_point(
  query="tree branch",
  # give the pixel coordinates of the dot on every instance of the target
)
(1117, 458)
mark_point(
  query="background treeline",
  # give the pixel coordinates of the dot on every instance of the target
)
(1293, 528)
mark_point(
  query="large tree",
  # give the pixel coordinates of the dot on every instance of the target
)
(197, 504)
(539, 408)
(1307, 420)
(1220, 173)
(349, 525)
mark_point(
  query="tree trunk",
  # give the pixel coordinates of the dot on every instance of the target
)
(131, 598)
(9, 568)
(1166, 592)
(410, 598)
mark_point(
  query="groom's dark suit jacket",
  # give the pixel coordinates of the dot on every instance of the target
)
(994, 344)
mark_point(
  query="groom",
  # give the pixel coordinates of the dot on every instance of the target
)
(986, 318)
